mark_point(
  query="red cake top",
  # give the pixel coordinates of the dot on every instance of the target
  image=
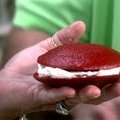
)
(81, 57)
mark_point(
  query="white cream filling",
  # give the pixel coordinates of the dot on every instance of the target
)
(60, 73)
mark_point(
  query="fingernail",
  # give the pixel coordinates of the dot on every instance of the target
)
(71, 93)
(93, 95)
(78, 25)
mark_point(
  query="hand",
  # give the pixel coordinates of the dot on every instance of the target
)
(20, 93)
(109, 110)
(108, 93)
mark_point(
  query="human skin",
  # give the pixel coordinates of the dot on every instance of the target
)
(108, 110)
(17, 77)
(20, 93)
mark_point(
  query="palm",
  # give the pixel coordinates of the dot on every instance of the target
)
(24, 93)
(24, 64)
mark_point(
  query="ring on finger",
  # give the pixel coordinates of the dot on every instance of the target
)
(63, 108)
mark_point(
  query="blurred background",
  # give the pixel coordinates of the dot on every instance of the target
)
(6, 14)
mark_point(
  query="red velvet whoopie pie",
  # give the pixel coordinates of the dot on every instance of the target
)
(78, 65)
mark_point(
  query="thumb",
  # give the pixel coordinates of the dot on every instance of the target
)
(69, 34)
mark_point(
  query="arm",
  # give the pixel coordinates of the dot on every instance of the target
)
(19, 39)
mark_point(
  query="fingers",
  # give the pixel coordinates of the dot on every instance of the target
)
(113, 91)
(57, 94)
(89, 92)
(46, 98)
(71, 33)
(66, 35)
(108, 93)
(93, 95)
(84, 95)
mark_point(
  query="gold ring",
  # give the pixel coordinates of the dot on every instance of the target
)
(53, 42)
